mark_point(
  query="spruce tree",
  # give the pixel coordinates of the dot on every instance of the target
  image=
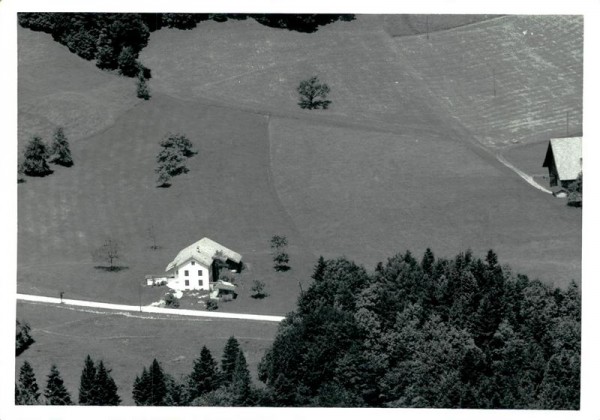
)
(59, 150)
(319, 269)
(56, 393)
(106, 387)
(28, 390)
(230, 354)
(142, 87)
(240, 382)
(427, 261)
(204, 377)
(87, 383)
(36, 155)
(105, 54)
(151, 387)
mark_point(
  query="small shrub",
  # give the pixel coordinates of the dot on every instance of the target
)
(171, 301)
(142, 88)
(212, 305)
(258, 290)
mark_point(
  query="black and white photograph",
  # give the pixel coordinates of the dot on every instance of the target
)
(299, 210)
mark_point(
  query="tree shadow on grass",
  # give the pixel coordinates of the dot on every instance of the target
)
(112, 269)
(284, 268)
(165, 185)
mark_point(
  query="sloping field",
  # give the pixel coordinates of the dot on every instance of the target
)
(244, 64)
(111, 191)
(127, 343)
(403, 25)
(368, 195)
(537, 64)
(57, 88)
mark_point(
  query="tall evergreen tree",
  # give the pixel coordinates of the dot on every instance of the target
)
(28, 390)
(87, 383)
(240, 381)
(105, 54)
(319, 269)
(56, 393)
(59, 150)
(230, 355)
(106, 387)
(204, 377)
(151, 387)
(36, 155)
(427, 262)
(142, 87)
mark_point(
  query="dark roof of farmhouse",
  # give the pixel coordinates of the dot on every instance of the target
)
(567, 157)
(204, 252)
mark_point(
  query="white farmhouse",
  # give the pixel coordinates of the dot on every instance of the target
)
(194, 267)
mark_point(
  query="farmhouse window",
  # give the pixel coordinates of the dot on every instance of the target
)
(186, 273)
(187, 282)
(193, 262)
(199, 272)
(199, 282)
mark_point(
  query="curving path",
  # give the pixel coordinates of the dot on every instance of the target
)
(148, 309)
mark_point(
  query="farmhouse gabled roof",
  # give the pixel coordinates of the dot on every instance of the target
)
(567, 157)
(204, 252)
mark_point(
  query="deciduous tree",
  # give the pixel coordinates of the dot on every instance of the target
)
(313, 94)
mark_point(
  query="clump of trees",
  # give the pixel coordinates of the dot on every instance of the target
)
(27, 391)
(176, 148)
(37, 155)
(313, 94)
(96, 386)
(171, 301)
(459, 333)
(281, 258)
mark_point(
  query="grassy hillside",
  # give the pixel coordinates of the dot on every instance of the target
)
(127, 343)
(111, 191)
(368, 195)
(57, 88)
(404, 25)
(536, 61)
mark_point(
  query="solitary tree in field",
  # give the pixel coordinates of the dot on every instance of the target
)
(280, 256)
(171, 159)
(59, 150)
(36, 155)
(56, 393)
(258, 289)
(109, 253)
(313, 94)
(142, 87)
(28, 392)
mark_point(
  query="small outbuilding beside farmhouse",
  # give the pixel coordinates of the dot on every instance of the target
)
(563, 160)
(196, 267)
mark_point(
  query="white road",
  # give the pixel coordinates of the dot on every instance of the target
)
(148, 309)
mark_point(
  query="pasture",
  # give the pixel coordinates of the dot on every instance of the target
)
(126, 343)
(401, 161)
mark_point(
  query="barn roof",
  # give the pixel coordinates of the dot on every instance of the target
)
(203, 251)
(567, 157)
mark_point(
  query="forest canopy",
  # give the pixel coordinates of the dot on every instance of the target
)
(460, 333)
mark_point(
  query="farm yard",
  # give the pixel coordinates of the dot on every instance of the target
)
(404, 159)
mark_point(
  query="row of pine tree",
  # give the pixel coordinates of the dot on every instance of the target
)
(207, 384)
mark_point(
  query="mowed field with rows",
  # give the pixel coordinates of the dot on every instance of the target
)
(400, 161)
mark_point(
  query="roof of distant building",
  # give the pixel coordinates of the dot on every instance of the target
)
(567, 157)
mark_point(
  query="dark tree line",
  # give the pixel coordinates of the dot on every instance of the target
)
(114, 40)
(462, 333)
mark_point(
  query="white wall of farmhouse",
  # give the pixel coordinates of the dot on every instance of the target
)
(191, 275)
